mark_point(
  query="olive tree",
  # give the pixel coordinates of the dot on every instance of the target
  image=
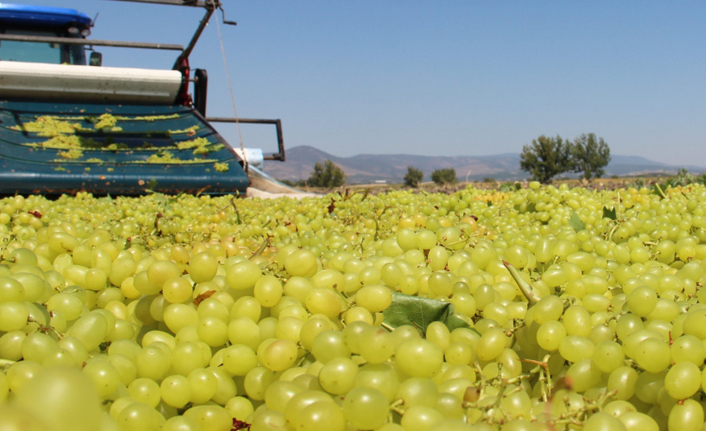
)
(327, 174)
(546, 158)
(444, 176)
(413, 177)
(590, 155)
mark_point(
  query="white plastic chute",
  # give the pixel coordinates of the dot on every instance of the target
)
(88, 83)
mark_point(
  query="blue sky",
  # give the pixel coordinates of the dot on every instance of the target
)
(441, 77)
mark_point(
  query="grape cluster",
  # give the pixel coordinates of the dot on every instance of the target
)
(581, 310)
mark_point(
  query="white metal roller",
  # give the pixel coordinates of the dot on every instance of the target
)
(88, 83)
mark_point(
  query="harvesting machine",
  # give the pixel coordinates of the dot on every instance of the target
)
(69, 124)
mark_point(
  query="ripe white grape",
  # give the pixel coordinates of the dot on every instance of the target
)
(268, 319)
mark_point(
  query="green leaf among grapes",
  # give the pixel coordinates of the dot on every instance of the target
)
(610, 213)
(576, 222)
(420, 312)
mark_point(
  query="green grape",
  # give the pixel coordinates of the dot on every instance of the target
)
(139, 416)
(301, 263)
(688, 416)
(243, 330)
(289, 327)
(277, 354)
(103, 374)
(648, 385)
(268, 290)
(550, 335)
(225, 386)
(376, 345)
(379, 376)
(573, 348)
(203, 385)
(212, 331)
(618, 408)
(418, 391)
(583, 375)
(90, 329)
(577, 321)
(11, 345)
(627, 324)
(682, 380)
(62, 397)
(177, 290)
(256, 382)
(338, 376)
(243, 275)
(239, 407)
(366, 408)
(323, 301)
(246, 306)
(459, 353)
(152, 362)
(37, 346)
(600, 421)
(210, 417)
(181, 423)
(491, 344)
(391, 274)
(421, 418)
(637, 421)
(642, 301)
(175, 390)
(301, 400)
(278, 394)
(328, 345)
(4, 387)
(653, 355)
(146, 391)
(211, 307)
(13, 316)
(203, 266)
(238, 359)
(11, 290)
(419, 358)
(547, 309)
(608, 356)
(374, 298)
(121, 269)
(124, 366)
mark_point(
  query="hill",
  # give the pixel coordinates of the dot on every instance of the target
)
(391, 168)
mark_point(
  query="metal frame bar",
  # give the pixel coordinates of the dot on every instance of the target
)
(194, 3)
(195, 38)
(278, 125)
(92, 42)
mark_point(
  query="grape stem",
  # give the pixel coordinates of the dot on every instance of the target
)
(525, 287)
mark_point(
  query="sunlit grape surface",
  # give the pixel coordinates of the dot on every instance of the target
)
(567, 309)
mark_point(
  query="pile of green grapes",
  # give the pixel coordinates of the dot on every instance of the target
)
(578, 310)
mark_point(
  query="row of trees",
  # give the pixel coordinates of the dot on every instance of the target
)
(548, 157)
(544, 159)
(414, 176)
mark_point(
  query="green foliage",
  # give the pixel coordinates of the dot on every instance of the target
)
(420, 312)
(444, 176)
(684, 178)
(590, 155)
(546, 158)
(299, 183)
(327, 175)
(413, 177)
(510, 187)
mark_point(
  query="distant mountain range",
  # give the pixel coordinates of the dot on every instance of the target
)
(391, 168)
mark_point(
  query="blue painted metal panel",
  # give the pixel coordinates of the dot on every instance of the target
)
(42, 15)
(169, 149)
